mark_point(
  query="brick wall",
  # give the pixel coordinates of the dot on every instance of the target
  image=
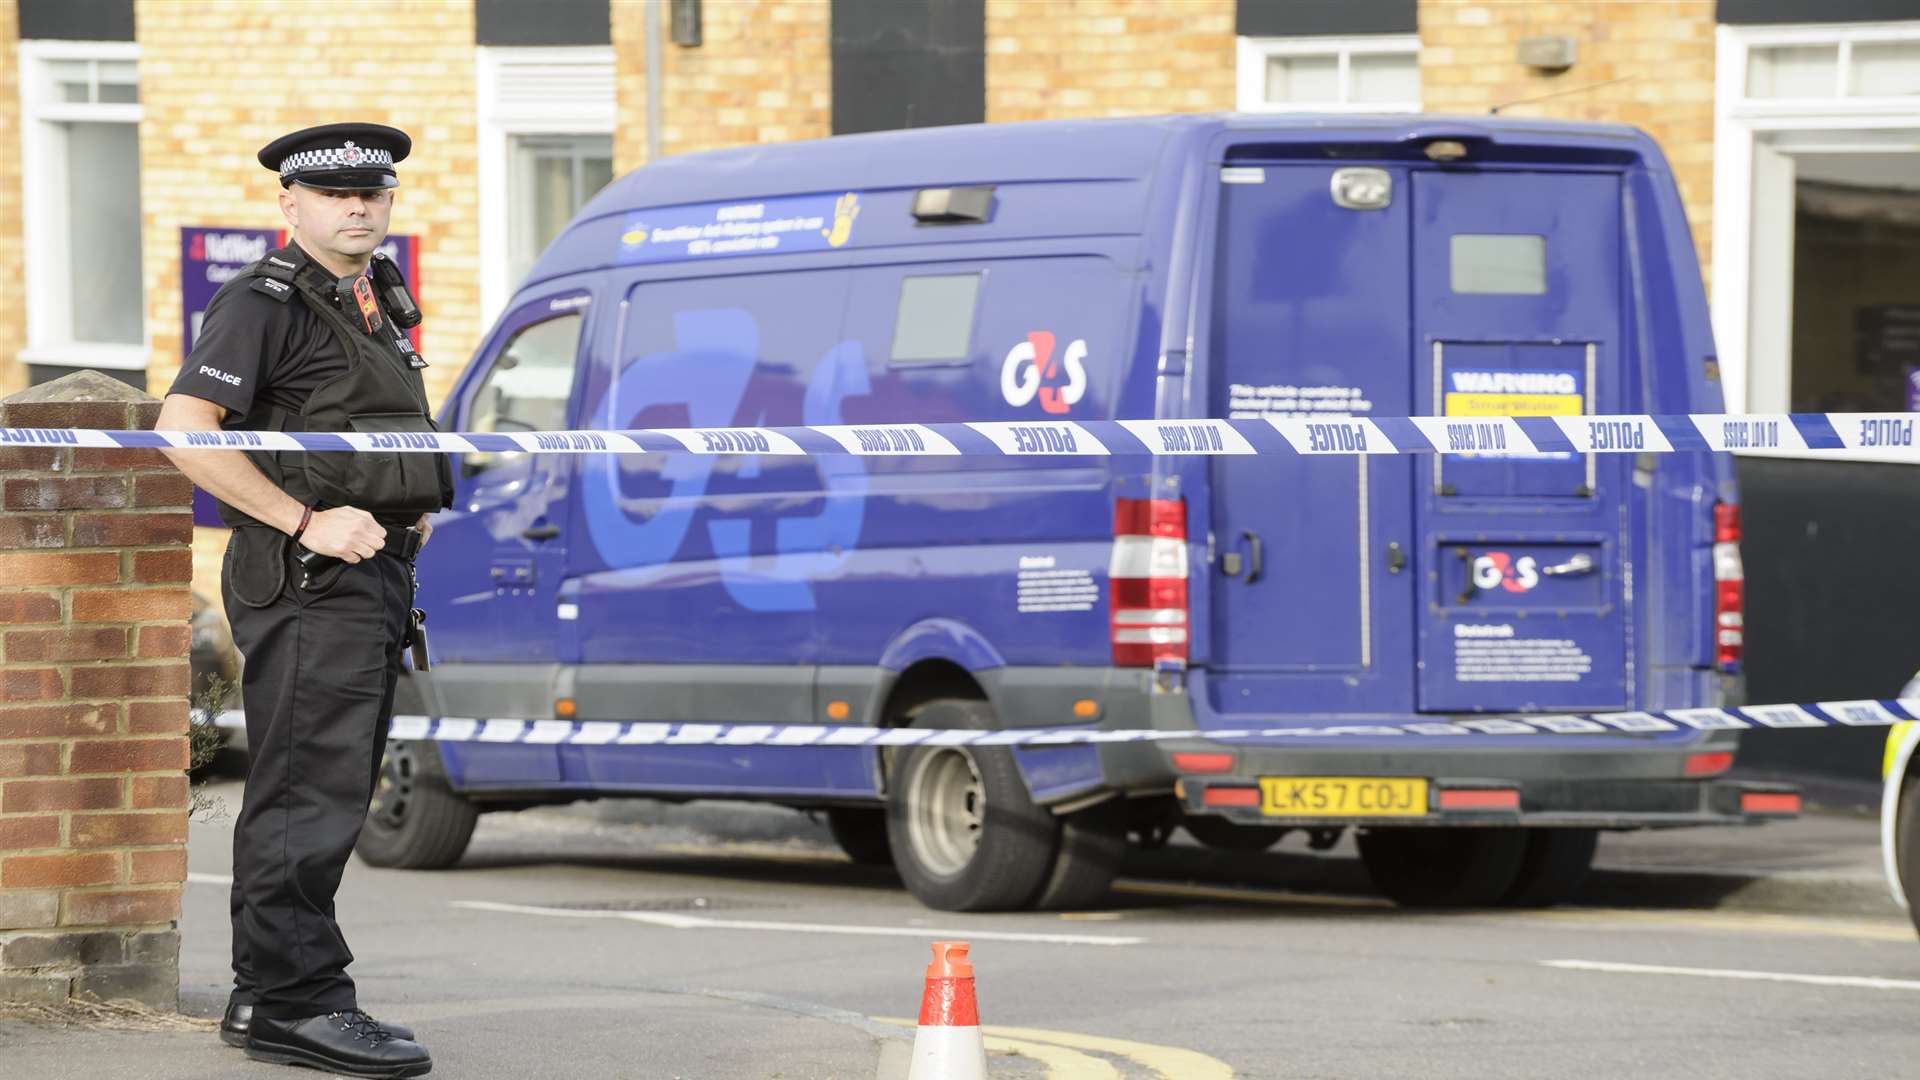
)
(762, 73)
(93, 710)
(13, 316)
(1074, 58)
(1664, 51)
(221, 78)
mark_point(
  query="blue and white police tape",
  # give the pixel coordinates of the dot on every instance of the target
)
(1883, 434)
(1823, 714)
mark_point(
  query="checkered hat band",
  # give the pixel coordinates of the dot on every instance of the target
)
(336, 158)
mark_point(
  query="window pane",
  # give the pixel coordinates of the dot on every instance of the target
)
(549, 178)
(118, 82)
(1792, 71)
(71, 81)
(103, 214)
(1499, 264)
(1886, 68)
(528, 387)
(1383, 77)
(935, 320)
(552, 197)
(1297, 79)
(596, 172)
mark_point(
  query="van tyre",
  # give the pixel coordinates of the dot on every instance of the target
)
(965, 834)
(1219, 834)
(1906, 846)
(1092, 842)
(1554, 866)
(861, 832)
(416, 821)
(1443, 866)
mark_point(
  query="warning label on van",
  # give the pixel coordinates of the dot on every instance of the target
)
(1513, 393)
(1044, 586)
(1491, 653)
(765, 227)
(1246, 402)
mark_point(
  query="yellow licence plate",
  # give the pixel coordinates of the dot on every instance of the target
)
(1343, 796)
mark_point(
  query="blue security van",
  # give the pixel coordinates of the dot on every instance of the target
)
(1041, 275)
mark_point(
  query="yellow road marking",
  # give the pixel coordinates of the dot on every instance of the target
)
(1061, 1063)
(1170, 1062)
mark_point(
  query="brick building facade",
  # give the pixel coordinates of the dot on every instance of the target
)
(216, 78)
(502, 96)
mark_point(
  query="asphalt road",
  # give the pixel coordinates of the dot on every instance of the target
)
(628, 939)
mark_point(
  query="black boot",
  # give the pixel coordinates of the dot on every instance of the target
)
(233, 1026)
(349, 1043)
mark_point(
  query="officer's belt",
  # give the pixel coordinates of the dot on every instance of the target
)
(402, 542)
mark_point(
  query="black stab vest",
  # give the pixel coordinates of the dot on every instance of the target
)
(379, 392)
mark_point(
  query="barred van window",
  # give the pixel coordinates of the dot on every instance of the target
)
(934, 323)
(1498, 264)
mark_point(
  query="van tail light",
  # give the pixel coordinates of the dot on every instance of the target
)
(1709, 763)
(1147, 581)
(1729, 590)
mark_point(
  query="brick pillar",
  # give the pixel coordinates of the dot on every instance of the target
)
(94, 603)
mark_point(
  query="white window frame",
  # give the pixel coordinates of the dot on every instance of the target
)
(1753, 191)
(1254, 52)
(499, 120)
(44, 201)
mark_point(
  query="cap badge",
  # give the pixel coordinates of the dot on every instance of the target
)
(351, 155)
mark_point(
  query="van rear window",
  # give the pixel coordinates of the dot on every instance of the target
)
(1485, 263)
(935, 321)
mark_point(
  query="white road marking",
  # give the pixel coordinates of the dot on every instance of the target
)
(696, 922)
(209, 879)
(1863, 982)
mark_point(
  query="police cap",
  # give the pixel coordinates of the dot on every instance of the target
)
(346, 157)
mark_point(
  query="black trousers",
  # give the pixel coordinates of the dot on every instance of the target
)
(321, 667)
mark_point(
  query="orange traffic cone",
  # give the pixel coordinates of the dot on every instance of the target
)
(947, 1045)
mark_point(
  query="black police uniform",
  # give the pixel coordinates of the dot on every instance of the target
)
(284, 346)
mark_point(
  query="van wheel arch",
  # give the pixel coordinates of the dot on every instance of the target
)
(922, 683)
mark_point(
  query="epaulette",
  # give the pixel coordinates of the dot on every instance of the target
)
(274, 276)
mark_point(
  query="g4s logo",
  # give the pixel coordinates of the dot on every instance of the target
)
(1031, 370)
(1499, 570)
(651, 534)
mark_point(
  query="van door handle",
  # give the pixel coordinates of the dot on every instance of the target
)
(1253, 555)
(541, 532)
(1396, 558)
(1579, 564)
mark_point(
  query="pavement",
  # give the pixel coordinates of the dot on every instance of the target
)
(627, 938)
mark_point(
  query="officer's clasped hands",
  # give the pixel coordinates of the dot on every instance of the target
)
(344, 533)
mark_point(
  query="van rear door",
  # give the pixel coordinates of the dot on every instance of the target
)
(1310, 575)
(1517, 310)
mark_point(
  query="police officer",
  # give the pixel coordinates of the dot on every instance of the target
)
(318, 577)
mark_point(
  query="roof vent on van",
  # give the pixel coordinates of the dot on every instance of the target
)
(953, 206)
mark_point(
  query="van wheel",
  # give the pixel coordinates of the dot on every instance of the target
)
(1443, 866)
(861, 832)
(1092, 842)
(1906, 846)
(1219, 834)
(1554, 867)
(964, 833)
(415, 821)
